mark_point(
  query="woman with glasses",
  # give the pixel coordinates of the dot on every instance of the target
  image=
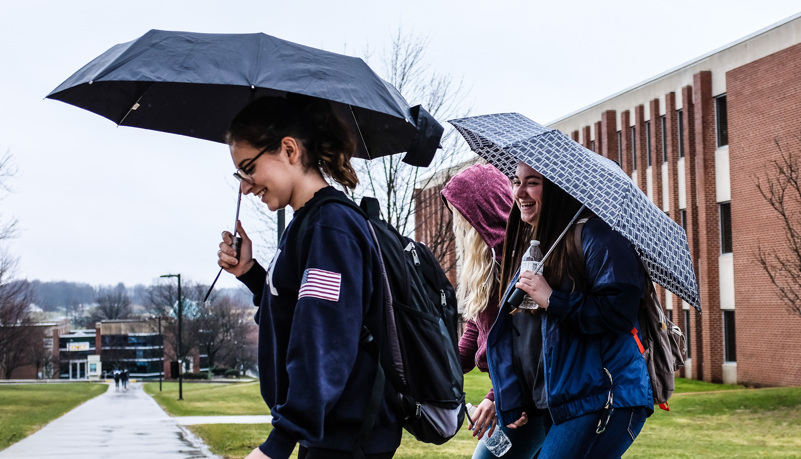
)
(321, 287)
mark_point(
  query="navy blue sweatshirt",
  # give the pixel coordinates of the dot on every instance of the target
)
(320, 288)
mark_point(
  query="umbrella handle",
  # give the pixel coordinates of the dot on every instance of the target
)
(237, 244)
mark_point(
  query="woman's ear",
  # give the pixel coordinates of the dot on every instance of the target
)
(292, 148)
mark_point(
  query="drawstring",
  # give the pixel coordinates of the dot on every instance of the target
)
(608, 408)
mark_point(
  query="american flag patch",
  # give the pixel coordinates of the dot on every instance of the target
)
(319, 283)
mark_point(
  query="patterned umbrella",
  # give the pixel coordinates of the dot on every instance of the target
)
(505, 139)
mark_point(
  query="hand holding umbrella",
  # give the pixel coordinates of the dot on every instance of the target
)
(236, 261)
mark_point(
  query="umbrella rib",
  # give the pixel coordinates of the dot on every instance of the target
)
(133, 107)
(359, 130)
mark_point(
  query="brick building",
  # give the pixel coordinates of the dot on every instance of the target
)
(696, 139)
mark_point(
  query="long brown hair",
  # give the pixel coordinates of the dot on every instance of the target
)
(328, 143)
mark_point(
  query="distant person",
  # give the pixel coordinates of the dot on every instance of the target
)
(117, 380)
(124, 379)
(322, 286)
(480, 198)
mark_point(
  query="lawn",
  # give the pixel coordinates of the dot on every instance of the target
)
(209, 399)
(705, 421)
(18, 419)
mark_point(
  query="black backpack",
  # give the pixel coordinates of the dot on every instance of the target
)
(421, 355)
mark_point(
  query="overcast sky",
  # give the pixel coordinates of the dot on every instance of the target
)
(102, 205)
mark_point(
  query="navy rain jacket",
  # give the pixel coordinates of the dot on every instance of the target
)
(587, 337)
(315, 377)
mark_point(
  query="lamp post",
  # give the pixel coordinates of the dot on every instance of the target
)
(180, 337)
(161, 337)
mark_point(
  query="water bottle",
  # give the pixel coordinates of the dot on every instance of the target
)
(531, 262)
(497, 443)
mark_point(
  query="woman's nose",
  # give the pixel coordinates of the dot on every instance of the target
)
(245, 187)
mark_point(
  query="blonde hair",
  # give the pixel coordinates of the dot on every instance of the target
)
(479, 273)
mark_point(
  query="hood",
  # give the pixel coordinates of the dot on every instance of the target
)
(483, 195)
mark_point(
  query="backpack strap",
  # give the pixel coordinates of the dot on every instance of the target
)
(575, 254)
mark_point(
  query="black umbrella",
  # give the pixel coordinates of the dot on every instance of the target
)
(193, 84)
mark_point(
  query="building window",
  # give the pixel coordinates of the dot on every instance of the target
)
(670, 315)
(729, 337)
(619, 148)
(592, 145)
(648, 141)
(681, 132)
(664, 139)
(687, 331)
(721, 120)
(683, 218)
(634, 148)
(725, 227)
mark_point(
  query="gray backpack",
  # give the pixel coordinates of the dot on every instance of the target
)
(663, 344)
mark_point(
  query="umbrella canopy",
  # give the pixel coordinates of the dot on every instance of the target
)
(194, 84)
(507, 138)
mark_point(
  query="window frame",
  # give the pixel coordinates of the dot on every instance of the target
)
(721, 132)
(680, 122)
(724, 226)
(729, 336)
(648, 143)
(664, 139)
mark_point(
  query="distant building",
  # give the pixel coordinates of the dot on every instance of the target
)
(133, 345)
(45, 363)
(695, 139)
(74, 349)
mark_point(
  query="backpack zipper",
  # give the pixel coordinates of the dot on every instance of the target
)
(410, 248)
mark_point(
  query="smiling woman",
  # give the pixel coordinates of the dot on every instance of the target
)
(322, 286)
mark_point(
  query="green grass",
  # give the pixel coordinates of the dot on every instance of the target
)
(237, 440)
(706, 421)
(209, 399)
(730, 424)
(691, 385)
(26, 408)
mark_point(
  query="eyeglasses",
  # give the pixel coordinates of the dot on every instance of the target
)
(243, 173)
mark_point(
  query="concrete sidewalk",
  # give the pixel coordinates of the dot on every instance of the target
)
(115, 425)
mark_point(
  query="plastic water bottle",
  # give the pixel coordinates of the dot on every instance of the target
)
(498, 443)
(531, 262)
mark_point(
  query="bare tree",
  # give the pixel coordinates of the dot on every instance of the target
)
(16, 322)
(162, 299)
(112, 304)
(222, 326)
(37, 354)
(781, 188)
(406, 191)
(8, 229)
(15, 296)
(399, 187)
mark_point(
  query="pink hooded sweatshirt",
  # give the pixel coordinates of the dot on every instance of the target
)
(483, 195)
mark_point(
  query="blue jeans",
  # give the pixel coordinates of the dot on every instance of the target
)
(577, 438)
(526, 439)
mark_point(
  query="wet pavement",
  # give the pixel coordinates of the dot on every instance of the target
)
(117, 425)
